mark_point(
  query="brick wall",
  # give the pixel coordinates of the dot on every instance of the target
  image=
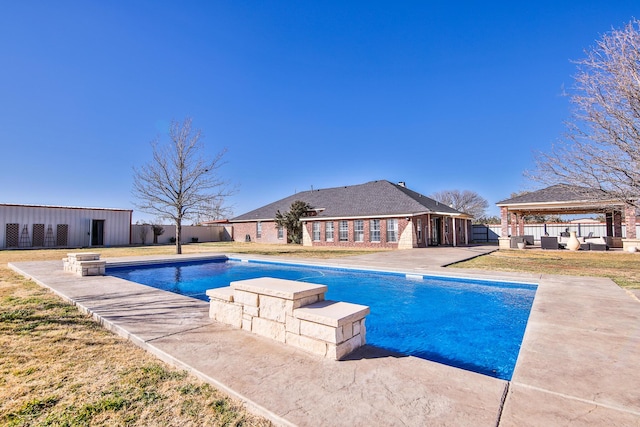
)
(366, 243)
(269, 232)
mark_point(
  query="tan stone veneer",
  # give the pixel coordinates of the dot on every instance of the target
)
(84, 264)
(291, 312)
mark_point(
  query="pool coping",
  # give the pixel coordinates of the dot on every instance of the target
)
(577, 362)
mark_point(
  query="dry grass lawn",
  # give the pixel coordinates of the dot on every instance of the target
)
(60, 368)
(622, 267)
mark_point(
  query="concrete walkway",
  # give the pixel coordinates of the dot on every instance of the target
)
(577, 365)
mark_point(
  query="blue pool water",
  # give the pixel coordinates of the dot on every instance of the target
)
(470, 324)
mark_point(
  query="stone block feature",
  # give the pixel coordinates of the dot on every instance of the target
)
(222, 307)
(222, 294)
(268, 328)
(291, 312)
(245, 298)
(274, 308)
(84, 264)
(281, 288)
(339, 324)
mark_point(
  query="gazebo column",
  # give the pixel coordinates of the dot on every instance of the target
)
(504, 241)
(504, 222)
(631, 243)
(617, 224)
(520, 224)
(454, 227)
(467, 227)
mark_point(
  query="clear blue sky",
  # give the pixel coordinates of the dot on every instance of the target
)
(442, 95)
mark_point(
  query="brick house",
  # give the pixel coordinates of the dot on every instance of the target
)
(376, 214)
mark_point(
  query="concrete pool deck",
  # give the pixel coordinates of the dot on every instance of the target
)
(578, 364)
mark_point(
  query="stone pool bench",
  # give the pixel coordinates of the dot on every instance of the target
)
(291, 312)
(84, 264)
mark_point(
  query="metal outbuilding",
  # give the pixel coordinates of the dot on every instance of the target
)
(37, 226)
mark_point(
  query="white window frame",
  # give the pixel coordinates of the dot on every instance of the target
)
(343, 232)
(358, 230)
(419, 230)
(374, 230)
(258, 230)
(328, 231)
(280, 233)
(315, 227)
(392, 230)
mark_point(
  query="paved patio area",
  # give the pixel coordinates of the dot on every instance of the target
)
(577, 365)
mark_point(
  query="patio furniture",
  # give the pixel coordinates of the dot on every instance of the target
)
(563, 240)
(515, 240)
(605, 240)
(598, 247)
(547, 242)
(526, 239)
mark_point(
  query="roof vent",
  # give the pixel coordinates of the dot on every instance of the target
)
(402, 184)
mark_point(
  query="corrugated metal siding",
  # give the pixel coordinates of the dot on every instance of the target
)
(117, 223)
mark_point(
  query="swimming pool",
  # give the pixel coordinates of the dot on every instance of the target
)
(470, 324)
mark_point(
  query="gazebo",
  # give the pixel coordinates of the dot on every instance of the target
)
(567, 199)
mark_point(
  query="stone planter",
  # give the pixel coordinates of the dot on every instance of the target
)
(521, 245)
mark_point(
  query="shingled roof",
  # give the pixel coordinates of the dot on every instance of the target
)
(556, 194)
(375, 198)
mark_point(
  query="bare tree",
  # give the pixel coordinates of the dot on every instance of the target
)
(213, 210)
(180, 179)
(465, 201)
(601, 150)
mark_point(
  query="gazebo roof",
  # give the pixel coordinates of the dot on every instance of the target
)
(561, 198)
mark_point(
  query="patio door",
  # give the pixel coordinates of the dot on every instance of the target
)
(436, 225)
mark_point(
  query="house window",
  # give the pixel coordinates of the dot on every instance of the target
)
(358, 230)
(328, 231)
(419, 230)
(344, 231)
(258, 230)
(316, 231)
(280, 233)
(374, 230)
(392, 230)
